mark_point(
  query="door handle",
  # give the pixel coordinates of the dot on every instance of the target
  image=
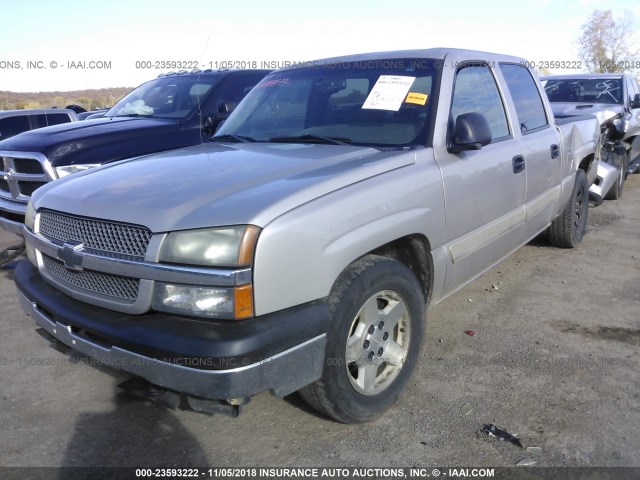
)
(518, 164)
(555, 151)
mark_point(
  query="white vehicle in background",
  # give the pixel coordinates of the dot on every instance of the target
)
(614, 99)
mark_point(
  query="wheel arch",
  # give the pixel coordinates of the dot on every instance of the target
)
(414, 251)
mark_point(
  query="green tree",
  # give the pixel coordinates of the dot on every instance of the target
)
(604, 45)
(59, 101)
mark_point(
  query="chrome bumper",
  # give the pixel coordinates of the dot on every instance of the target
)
(13, 208)
(606, 176)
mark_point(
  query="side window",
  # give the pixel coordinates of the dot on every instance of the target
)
(45, 120)
(11, 126)
(229, 96)
(475, 90)
(526, 97)
(58, 118)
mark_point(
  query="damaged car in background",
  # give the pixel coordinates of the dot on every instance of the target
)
(614, 99)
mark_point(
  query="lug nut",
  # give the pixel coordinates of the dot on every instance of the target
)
(380, 351)
(370, 356)
(381, 325)
(365, 345)
(385, 337)
(371, 330)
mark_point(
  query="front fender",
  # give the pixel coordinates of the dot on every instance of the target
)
(300, 254)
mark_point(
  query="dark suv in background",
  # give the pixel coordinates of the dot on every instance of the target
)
(172, 111)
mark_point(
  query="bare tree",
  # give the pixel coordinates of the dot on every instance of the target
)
(604, 45)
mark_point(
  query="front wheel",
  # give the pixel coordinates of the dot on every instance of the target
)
(375, 336)
(567, 230)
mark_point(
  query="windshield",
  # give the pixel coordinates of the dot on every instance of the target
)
(593, 90)
(379, 103)
(165, 97)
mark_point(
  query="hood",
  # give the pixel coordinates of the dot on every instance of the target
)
(98, 141)
(602, 111)
(215, 184)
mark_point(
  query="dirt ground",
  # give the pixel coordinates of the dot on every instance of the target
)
(555, 360)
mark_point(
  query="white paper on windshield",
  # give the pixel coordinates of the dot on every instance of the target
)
(388, 93)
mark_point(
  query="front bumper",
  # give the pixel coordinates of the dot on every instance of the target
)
(606, 176)
(12, 215)
(279, 352)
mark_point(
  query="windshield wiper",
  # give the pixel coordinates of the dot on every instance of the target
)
(312, 138)
(227, 137)
(133, 115)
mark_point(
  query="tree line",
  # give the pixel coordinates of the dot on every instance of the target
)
(87, 99)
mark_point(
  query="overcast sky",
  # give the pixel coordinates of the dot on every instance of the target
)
(42, 43)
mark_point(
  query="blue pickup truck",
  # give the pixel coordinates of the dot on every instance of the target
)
(172, 111)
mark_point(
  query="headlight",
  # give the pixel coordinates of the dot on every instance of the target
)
(30, 216)
(69, 169)
(213, 247)
(215, 302)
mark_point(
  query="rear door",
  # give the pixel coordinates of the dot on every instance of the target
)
(540, 147)
(484, 189)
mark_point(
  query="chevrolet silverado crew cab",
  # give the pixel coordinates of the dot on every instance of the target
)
(174, 110)
(298, 251)
(614, 99)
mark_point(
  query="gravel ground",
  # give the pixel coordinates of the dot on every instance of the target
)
(555, 360)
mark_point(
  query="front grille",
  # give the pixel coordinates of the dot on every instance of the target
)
(123, 288)
(31, 172)
(28, 165)
(27, 188)
(97, 235)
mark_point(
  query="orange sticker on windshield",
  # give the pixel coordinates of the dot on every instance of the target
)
(417, 98)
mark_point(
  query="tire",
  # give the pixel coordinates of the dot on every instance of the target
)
(375, 335)
(567, 230)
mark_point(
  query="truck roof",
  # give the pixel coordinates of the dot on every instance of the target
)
(582, 76)
(435, 53)
(209, 72)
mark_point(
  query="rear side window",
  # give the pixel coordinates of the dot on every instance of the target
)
(526, 97)
(11, 126)
(475, 90)
(45, 120)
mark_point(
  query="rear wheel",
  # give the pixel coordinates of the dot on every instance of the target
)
(567, 230)
(375, 336)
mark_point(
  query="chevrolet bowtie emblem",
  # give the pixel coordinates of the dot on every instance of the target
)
(71, 255)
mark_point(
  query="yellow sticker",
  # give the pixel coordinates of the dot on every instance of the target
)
(417, 98)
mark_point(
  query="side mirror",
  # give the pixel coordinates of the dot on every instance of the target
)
(635, 103)
(211, 123)
(470, 132)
